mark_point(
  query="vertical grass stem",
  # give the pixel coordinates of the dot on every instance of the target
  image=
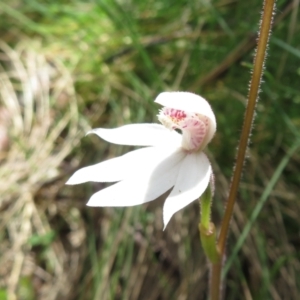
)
(263, 37)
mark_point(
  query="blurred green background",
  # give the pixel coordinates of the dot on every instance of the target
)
(68, 66)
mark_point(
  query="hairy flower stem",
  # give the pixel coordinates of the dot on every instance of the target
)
(263, 38)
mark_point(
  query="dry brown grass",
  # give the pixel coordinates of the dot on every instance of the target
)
(39, 127)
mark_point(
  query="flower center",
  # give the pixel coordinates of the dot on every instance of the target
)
(193, 126)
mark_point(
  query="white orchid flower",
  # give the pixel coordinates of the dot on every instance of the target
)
(171, 161)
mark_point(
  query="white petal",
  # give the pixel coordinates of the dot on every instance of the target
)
(143, 188)
(126, 166)
(188, 102)
(193, 179)
(114, 169)
(139, 135)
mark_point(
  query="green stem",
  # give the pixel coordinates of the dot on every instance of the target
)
(208, 241)
(207, 229)
(205, 207)
(259, 59)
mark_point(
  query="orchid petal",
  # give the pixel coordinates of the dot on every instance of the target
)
(142, 188)
(126, 166)
(193, 178)
(139, 135)
(114, 169)
(189, 102)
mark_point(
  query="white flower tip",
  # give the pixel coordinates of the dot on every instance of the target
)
(166, 217)
(90, 132)
(71, 181)
(78, 177)
(95, 200)
(91, 203)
